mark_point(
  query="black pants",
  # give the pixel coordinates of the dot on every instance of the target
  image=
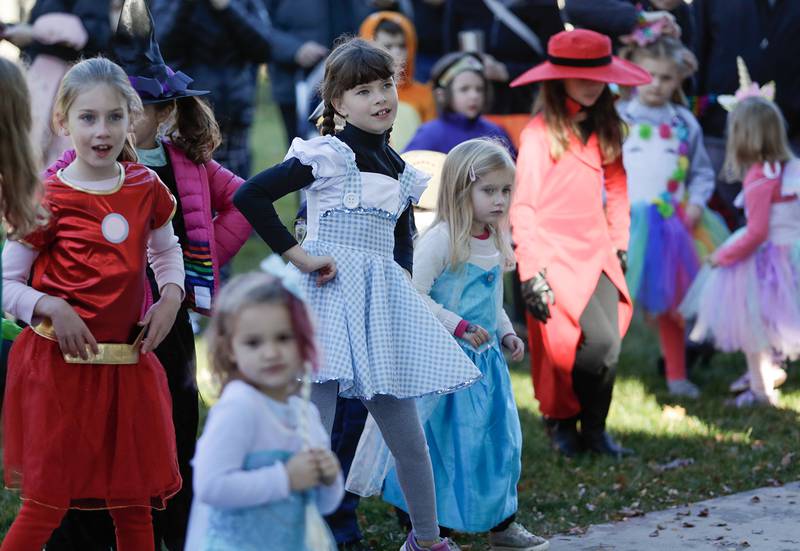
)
(93, 530)
(348, 425)
(596, 359)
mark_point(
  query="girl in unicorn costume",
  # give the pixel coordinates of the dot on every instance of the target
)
(748, 298)
(670, 180)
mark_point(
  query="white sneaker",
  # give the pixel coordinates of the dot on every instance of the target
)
(683, 387)
(517, 538)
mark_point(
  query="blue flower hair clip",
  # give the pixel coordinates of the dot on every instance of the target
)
(289, 277)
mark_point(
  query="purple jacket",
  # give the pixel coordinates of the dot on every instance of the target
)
(215, 229)
(450, 129)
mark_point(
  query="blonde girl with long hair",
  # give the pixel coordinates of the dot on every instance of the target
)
(19, 175)
(748, 298)
(87, 414)
(460, 261)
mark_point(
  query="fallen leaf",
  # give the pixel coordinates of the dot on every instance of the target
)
(576, 531)
(787, 459)
(654, 534)
(673, 413)
(703, 513)
(660, 526)
(755, 499)
(686, 513)
(674, 464)
(720, 524)
(629, 512)
(688, 525)
(757, 531)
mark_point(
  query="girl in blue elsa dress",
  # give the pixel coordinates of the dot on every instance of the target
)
(263, 471)
(474, 434)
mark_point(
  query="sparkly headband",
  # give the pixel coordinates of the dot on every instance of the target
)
(466, 63)
(288, 276)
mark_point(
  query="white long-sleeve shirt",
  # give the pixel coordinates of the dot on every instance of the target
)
(244, 421)
(432, 257)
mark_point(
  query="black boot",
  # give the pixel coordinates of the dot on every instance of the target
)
(602, 443)
(564, 436)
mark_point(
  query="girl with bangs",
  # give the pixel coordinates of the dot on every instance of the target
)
(379, 341)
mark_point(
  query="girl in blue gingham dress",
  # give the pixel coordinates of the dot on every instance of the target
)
(379, 341)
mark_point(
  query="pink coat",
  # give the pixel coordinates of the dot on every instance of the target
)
(559, 223)
(215, 229)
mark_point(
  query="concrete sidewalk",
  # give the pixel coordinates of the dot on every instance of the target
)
(767, 519)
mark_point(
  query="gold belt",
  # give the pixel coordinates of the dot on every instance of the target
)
(108, 353)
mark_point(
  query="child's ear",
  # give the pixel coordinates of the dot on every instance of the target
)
(163, 114)
(337, 105)
(60, 123)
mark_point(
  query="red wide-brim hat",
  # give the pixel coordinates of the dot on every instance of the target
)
(583, 54)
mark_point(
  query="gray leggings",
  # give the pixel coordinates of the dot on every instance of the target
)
(402, 431)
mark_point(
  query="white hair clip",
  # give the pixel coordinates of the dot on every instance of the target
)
(472, 177)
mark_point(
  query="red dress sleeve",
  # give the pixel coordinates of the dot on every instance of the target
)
(41, 237)
(164, 204)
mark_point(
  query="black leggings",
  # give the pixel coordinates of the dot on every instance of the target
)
(596, 358)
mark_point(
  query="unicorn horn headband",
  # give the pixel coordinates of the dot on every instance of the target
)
(747, 88)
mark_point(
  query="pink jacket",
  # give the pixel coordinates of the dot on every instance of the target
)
(215, 229)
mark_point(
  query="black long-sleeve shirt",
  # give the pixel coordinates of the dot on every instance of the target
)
(256, 196)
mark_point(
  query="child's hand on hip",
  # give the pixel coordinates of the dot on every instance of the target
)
(328, 465)
(514, 345)
(74, 338)
(303, 471)
(325, 266)
(475, 335)
(160, 318)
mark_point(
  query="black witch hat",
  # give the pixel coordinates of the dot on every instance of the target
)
(135, 49)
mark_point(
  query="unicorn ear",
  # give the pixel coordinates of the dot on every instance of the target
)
(768, 91)
(727, 101)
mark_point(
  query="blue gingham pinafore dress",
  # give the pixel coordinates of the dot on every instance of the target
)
(376, 334)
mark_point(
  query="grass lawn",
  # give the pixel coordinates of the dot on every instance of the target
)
(726, 450)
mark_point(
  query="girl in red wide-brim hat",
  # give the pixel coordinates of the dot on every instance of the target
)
(570, 218)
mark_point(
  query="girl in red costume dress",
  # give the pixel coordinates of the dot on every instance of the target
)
(87, 420)
(570, 217)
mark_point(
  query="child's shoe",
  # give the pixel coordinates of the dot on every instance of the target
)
(743, 383)
(517, 538)
(748, 398)
(446, 544)
(683, 387)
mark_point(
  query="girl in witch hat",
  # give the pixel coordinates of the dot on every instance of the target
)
(570, 217)
(175, 137)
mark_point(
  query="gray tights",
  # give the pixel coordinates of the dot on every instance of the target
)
(402, 431)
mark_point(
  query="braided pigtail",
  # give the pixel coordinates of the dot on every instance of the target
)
(328, 126)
